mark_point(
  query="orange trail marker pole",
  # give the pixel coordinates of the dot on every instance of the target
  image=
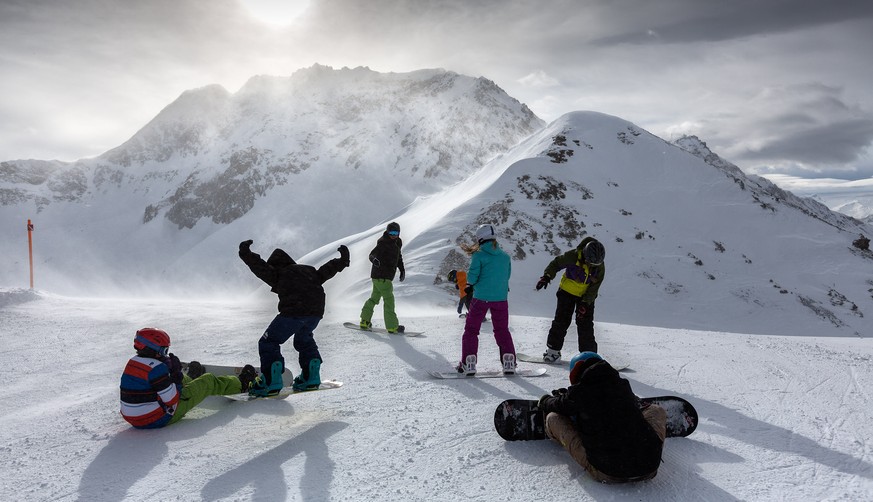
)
(30, 249)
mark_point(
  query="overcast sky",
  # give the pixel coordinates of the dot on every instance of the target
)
(775, 86)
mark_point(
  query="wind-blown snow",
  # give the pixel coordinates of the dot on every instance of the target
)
(782, 418)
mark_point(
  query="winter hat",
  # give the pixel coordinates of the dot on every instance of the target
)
(578, 364)
(485, 233)
(393, 227)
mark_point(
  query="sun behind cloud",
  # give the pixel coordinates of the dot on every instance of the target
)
(276, 12)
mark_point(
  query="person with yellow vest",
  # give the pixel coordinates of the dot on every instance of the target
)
(583, 274)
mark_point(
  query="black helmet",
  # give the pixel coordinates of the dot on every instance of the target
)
(594, 253)
(453, 275)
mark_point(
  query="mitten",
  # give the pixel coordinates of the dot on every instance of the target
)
(344, 255)
(543, 282)
(175, 367)
(402, 275)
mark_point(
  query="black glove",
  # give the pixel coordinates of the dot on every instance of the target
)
(559, 392)
(583, 309)
(375, 261)
(402, 275)
(244, 245)
(543, 282)
(469, 289)
(543, 403)
(344, 254)
(175, 367)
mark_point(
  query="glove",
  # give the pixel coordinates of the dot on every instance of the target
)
(244, 245)
(543, 282)
(375, 261)
(583, 309)
(543, 403)
(175, 366)
(469, 290)
(559, 392)
(344, 254)
(402, 275)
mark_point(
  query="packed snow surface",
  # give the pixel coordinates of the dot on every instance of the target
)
(781, 417)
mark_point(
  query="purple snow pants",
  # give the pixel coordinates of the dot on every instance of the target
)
(500, 321)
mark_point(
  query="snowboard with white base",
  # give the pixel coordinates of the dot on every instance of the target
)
(285, 392)
(384, 331)
(488, 374)
(519, 356)
(287, 380)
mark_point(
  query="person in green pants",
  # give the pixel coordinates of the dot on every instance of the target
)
(154, 391)
(387, 260)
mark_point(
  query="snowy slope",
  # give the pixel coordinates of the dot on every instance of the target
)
(304, 159)
(782, 418)
(691, 241)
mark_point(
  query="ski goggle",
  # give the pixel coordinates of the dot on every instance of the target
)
(162, 351)
(393, 233)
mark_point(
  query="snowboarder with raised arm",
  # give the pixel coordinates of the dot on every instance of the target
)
(301, 307)
(387, 260)
(598, 420)
(488, 283)
(154, 391)
(583, 274)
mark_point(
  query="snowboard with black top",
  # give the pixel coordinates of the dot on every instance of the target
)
(522, 420)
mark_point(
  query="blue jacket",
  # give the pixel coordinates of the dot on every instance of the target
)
(489, 273)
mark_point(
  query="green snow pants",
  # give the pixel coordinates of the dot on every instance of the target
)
(382, 289)
(196, 390)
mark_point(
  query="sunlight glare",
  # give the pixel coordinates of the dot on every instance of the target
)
(276, 12)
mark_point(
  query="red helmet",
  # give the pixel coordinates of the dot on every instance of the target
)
(152, 338)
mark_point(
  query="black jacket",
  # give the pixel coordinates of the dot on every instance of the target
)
(298, 286)
(617, 439)
(387, 255)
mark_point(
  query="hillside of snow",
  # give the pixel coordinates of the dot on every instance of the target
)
(782, 417)
(686, 234)
(299, 160)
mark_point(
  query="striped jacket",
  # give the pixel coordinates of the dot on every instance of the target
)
(148, 394)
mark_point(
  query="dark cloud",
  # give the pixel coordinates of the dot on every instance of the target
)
(683, 21)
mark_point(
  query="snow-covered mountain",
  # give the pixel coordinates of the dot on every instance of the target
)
(297, 160)
(329, 156)
(685, 231)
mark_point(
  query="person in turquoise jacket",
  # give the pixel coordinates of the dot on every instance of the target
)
(488, 282)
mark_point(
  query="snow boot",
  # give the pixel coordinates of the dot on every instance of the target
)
(468, 366)
(195, 369)
(551, 356)
(365, 324)
(312, 380)
(247, 377)
(399, 329)
(260, 387)
(508, 364)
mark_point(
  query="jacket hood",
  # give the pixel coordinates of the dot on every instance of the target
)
(280, 258)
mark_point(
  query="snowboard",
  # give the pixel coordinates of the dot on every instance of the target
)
(287, 380)
(285, 392)
(521, 419)
(563, 362)
(384, 331)
(488, 374)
